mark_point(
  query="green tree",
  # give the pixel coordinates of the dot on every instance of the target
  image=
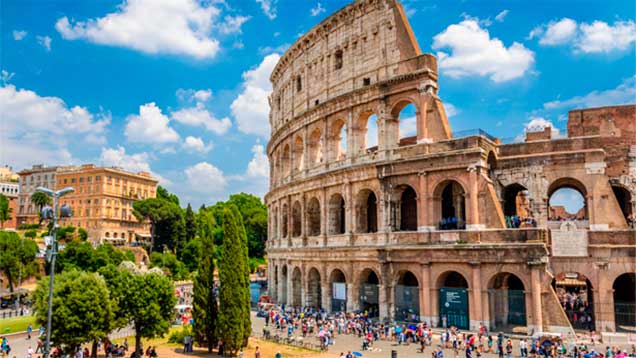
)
(191, 254)
(15, 254)
(190, 224)
(204, 304)
(81, 255)
(245, 267)
(163, 193)
(233, 310)
(82, 308)
(83, 234)
(144, 300)
(5, 210)
(166, 221)
(39, 199)
(254, 215)
(170, 265)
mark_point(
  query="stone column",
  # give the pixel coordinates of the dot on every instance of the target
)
(324, 295)
(472, 220)
(350, 136)
(349, 206)
(535, 277)
(420, 115)
(604, 302)
(279, 289)
(476, 316)
(425, 293)
(323, 216)
(351, 300)
(383, 302)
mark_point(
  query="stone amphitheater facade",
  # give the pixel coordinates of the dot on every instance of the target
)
(354, 226)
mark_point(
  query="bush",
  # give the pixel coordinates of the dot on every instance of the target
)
(255, 262)
(178, 335)
(31, 234)
(29, 227)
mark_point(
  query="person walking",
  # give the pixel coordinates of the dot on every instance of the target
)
(523, 348)
(29, 331)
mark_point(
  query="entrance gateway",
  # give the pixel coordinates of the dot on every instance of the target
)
(453, 307)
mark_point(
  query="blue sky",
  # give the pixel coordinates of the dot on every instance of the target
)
(179, 87)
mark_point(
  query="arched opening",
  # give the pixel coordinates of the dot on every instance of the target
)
(285, 221)
(274, 291)
(314, 296)
(516, 205)
(367, 211)
(313, 217)
(492, 166)
(315, 147)
(367, 132)
(338, 140)
(407, 215)
(284, 278)
(406, 113)
(297, 285)
(338, 295)
(453, 206)
(299, 148)
(407, 298)
(453, 300)
(507, 302)
(625, 302)
(286, 160)
(575, 294)
(296, 219)
(567, 201)
(336, 214)
(370, 293)
(624, 198)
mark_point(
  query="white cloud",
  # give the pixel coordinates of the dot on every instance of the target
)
(45, 42)
(624, 93)
(199, 116)
(601, 37)
(251, 107)
(317, 10)
(196, 144)
(408, 127)
(232, 24)
(502, 15)
(205, 178)
(259, 164)
(189, 95)
(450, 109)
(597, 37)
(474, 52)
(150, 126)
(538, 124)
(18, 35)
(135, 163)
(269, 8)
(177, 27)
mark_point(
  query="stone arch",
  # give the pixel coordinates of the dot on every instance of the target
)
(515, 201)
(407, 297)
(276, 283)
(313, 217)
(453, 299)
(297, 284)
(451, 211)
(314, 294)
(338, 290)
(405, 111)
(507, 302)
(624, 199)
(624, 288)
(406, 208)
(575, 293)
(315, 147)
(367, 211)
(337, 214)
(299, 151)
(285, 220)
(286, 160)
(556, 211)
(284, 280)
(338, 140)
(370, 292)
(296, 219)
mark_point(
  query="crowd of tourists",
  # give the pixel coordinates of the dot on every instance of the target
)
(515, 222)
(451, 223)
(577, 307)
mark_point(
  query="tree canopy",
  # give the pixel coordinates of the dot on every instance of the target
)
(5, 210)
(16, 253)
(40, 199)
(166, 220)
(204, 303)
(81, 255)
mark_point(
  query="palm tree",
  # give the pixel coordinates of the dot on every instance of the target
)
(40, 200)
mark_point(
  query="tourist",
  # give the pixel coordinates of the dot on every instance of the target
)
(29, 331)
(523, 348)
(469, 353)
(257, 353)
(29, 352)
(509, 349)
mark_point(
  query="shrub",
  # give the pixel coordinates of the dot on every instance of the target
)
(28, 226)
(178, 335)
(31, 234)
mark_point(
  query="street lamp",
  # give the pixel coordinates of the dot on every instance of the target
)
(52, 214)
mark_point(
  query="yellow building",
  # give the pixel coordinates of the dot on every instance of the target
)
(103, 201)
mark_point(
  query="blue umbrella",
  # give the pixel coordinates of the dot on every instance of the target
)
(357, 354)
(412, 327)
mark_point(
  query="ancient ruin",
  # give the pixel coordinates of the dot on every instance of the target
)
(452, 229)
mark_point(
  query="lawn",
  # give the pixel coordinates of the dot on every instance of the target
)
(17, 324)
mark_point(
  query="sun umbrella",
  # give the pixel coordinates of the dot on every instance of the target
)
(357, 354)
(412, 327)
(398, 330)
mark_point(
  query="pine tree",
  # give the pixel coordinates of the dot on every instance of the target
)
(230, 322)
(204, 304)
(247, 321)
(190, 224)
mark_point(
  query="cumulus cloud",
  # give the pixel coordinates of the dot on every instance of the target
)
(317, 10)
(45, 42)
(259, 164)
(150, 126)
(268, 7)
(502, 15)
(232, 24)
(199, 116)
(538, 124)
(176, 27)
(205, 178)
(597, 37)
(196, 145)
(474, 52)
(623, 93)
(138, 162)
(450, 109)
(192, 95)
(251, 107)
(18, 35)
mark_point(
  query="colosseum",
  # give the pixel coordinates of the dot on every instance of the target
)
(448, 228)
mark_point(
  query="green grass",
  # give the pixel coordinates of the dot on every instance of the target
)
(17, 324)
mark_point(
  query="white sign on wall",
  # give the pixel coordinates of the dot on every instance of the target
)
(340, 290)
(568, 241)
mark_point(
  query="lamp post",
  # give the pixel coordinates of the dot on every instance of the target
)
(52, 214)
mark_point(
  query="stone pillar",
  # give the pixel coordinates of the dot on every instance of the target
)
(323, 216)
(280, 293)
(350, 136)
(472, 220)
(391, 301)
(290, 285)
(383, 302)
(420, 115)
(305, 148)
(476, 316)
(349, 206)
(425, 293)
(535, 277)
(303, 218)
(324, 295)
(351, 298)
(603, 297)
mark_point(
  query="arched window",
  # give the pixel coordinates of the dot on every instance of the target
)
(299, 83)
(338, 291)
(367, 132)
(507, 302)
(407, 209)
(284, 221)
(516, 205)
(406, 113)
(338, 60)
(453, 206)
(315, 147)
(625, 301)
(299, 148)
(370, 293)
(297, 285)
(314, 296)
(313, 217)
(338, 142)
(576, 294)
(624, 199)
(336, 214)
(296, 219)
(407, 297)
(367, 211)
(453, 300)
(567, 200)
